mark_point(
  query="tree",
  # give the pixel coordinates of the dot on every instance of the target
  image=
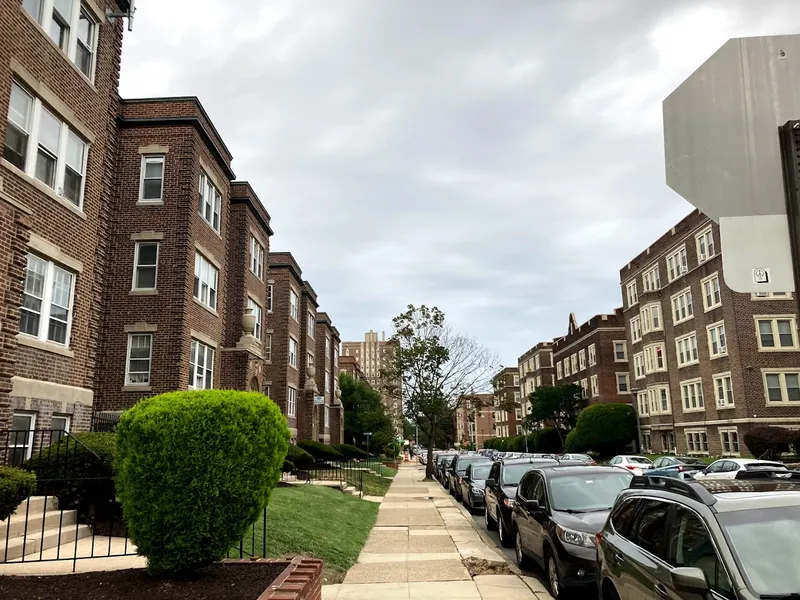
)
(604, 428)
(434, 369)
(364, 412)
(558, 404)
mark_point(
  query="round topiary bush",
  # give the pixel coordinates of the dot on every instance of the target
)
(299, 457)
(573, 442)
(549, 440)
(15, 486)
(320, 450)
(606, 428)
(194, 470)
(349, 451)
(768, 441)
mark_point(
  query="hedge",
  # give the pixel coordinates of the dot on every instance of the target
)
(606, 428)
(299, 457)
(320, 450)
(288, 466)
(15, 486)
(549, 441)
(195, 470)
(573, 443)
(769, 440)
(349, 451)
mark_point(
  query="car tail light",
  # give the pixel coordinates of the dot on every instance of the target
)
(631, 467)
(681, 469)
(597, 538)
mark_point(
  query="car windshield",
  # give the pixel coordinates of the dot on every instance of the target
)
(688, 460)
(639, 460)
(588, 492)
(764, 542)
(513, 473)
(463, 463)
(579, 456)
(448, 460)
(481, 471)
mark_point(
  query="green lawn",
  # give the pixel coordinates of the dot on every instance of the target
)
(318, 522)
(373, 484)
(387, 472)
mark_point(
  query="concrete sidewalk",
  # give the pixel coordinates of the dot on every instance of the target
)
(416, 548)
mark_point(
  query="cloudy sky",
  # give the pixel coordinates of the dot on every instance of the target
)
(501, 159)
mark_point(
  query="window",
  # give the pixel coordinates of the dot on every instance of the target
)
(729, 440)
(151, 184)
(595, 387)
(62, 17)
(686, 349)
(636, 329)
(269, 298)
(676, 264)
(327, 382)
(697, 440)
(256, 258)
(559, 374)
(705, 245)
(771, 296)
(206, 277)
(573, 363)
(310, 324)
(654, 359)
(620, 352)
(293, 352)
(20, 439)
(516, 379)
(293, 301)
(59, 425)
(537, 363)
(566, 367)
(268, 348)
(326, 418)
(336, 358)
(38, 143)
(582, 359)
(622, 517)
(145, 271)
(668, 442)
(291, 402)
(256, 307)
(638, 365)
(584, 388)
(47, 296)
(682, 306)
(690, 545)
(782, 387)
(538, 381)
(201, 366)
(140, 356)
(724, 390)
(651, 530)
(85, 44)
(711, 294)
(692, 394)
(717, 343)
(210, 202)
(647, 443)
(658, 400)
(651, 279)
(310, 360)
(776, 333)
(327, 346)
(633, 296)
(651, 318)
(623, 386)
(592, 355)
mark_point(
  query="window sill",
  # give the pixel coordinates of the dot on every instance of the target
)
(137, 388)
(716, 356)
(32, 342)
(726, 407)
(149, 203)
(710, 308)
(689, 364)
(205, 307)
(143, 293)
(694, 410)
(794, 349)
(48, 191)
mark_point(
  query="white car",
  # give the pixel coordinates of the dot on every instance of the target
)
(635, 464)
(727, 468)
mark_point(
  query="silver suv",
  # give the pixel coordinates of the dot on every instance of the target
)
(731, 539)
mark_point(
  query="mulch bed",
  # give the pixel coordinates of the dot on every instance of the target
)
(480, 566)
(215, 582)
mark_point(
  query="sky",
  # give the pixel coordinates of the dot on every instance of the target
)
(500, 159)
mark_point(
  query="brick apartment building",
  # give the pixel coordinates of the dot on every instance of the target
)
(507, 405)
(350, 366)
(708, 363)
(329, 418)
(535, 368)
(474, 420)
(594, 356)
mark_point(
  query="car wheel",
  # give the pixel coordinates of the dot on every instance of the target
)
(523, 562)
(553, 576)
(505, 539)
(610, 592)
(491, 524)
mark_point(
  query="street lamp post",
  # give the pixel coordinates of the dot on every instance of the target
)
(635, 396)
(368, 434)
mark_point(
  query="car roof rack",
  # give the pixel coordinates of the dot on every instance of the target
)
(771, 474)
(686, 488)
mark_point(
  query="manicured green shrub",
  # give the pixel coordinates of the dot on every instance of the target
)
(194, 471)
(796, 442)
(606, 428)
(288, 466)
(15, 486)
(320, 450)
(573, 443)
(549, 441)
(768, 441)
(349, 451)
(300, 458)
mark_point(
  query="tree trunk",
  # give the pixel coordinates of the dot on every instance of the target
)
(429, 466)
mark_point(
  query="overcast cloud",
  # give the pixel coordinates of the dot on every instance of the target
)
(500, 159)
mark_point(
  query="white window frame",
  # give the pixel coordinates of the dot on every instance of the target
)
(309, 360)
(582, 359)
(311, 324)
(624, 351)
(773, 320)
(651, 279)
(573, 363)
(258, 313)
(701, 441)
(256, 258)
(291, 402)
(638, 365)
(722, 349)
(47, 302)
(149, 359)
(627, 377)
(559, 373)
(28, 438)
(636, 329)
(724, 382)
(684, 346)
(692, 389)
(327, 381)
(632, 293)
(209, 204)
(207, 376)
(650, 313)
(566, 367)
(729, 431)
(326, 417)
(772, 296)
(651, 358)
(536, 362)
(705, 239)
(294, 305)
(781, 373)
(592, 355)
(151, 159)
(682, 306)
(137, 266)
(656, 397)
(208, 276)
(584, 388)
(709, 281)
(32, 150)
(268, 348)
(293, 347)
(53, 429)
(595, 386)
(677, 263)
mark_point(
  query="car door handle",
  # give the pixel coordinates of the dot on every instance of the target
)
(661, 591)
(618, 558)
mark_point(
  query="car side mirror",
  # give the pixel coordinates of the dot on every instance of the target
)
(491, 483)
(532, 505)
(689, 579)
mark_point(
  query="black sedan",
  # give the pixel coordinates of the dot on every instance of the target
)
(444, 466)
(457, 469)
(473, 485)
(557, 513)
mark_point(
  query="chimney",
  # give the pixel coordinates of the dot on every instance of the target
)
(383, 336)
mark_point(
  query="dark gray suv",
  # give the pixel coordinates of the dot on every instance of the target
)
(734, 539)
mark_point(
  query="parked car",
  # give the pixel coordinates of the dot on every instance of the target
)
(728, 468)
(438, 456)
(581, 457)
(635, 464)
(679, 467)
(734, 539)
(444, 464)
(501, 490)
(473, 485)
(557, 513)
(458, 468)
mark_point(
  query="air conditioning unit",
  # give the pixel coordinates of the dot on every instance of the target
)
(723, 349)
(762, 294)
(683, 270)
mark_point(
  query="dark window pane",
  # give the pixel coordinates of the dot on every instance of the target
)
(72, 186)
(146, 277)
(29, 322)
(83, 58)
(46, 168)
(152, 189)
(651, 527)
(57, 332)
(16, 146)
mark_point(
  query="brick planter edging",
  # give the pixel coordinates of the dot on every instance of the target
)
(300, 580)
